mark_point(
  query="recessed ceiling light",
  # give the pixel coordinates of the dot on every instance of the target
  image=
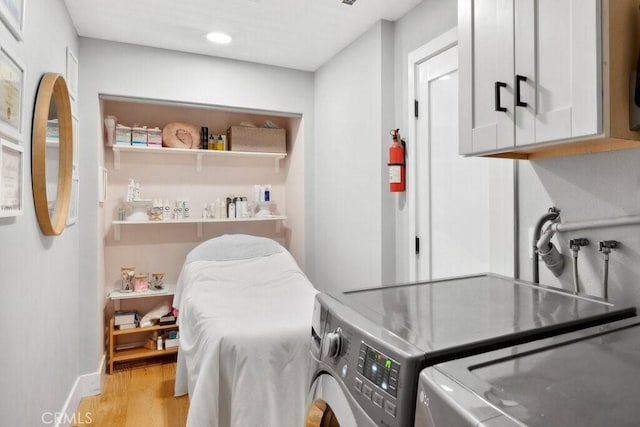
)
(220, 38)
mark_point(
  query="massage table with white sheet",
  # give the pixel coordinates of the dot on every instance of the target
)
(245, 312)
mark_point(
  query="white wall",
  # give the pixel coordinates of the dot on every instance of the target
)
(127, 70)
(586, 187)
(351, 211)
(40, 358)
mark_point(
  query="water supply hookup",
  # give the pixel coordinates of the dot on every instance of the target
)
(606, 246)
(543, 246)
(575, 245)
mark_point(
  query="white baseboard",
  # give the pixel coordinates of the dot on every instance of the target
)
(84, 386)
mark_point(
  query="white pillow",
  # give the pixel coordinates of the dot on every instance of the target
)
(233, 246)
(156, 313)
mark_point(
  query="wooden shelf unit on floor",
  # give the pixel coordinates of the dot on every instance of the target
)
(139, 352)
(136, 352)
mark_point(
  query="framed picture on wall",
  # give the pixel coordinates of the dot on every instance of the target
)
(76, 142)
(72, 73)
(12, 14)
(11, 178)
(11, 95)
(103, 179)
(72, 217)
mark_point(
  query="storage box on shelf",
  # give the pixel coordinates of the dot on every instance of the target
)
(251, 139)
(138, 351)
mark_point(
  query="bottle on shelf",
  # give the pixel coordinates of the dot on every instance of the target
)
(131, 188)
(244, 208)
(231, 210)
(204, 135)
(220, 209)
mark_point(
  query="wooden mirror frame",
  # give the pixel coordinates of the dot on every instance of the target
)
(52, 85)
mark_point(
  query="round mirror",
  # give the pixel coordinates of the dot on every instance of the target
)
(52, 154)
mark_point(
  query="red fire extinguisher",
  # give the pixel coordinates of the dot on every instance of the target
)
(396, 163)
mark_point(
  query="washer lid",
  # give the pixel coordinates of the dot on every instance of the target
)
(462, 316)
(587, 378)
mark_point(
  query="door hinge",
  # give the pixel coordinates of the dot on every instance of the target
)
(415, 108)
(417, 245)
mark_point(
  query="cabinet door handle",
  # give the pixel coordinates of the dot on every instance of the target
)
(519, 79)
(497, 101)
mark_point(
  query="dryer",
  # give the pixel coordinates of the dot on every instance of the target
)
(586, 378)
(369, 346)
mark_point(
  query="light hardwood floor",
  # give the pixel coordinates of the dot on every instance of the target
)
(135, 396)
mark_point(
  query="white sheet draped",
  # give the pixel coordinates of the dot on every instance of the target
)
(244, 341)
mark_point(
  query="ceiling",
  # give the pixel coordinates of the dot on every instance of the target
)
(299, 34)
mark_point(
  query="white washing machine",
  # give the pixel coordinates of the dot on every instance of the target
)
(369, 346)
(587, 378)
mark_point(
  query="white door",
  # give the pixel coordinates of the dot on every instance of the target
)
(463, 217)
(557, 55)
(490, 76)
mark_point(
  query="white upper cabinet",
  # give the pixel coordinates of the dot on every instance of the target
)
(492, 99)
(557, 61)
(533, 74)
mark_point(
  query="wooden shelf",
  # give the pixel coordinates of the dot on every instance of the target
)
(197, 153)
(140, 353)
(145, 329)
(137, 352)
(197, 221)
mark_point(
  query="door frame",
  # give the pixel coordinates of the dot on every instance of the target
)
(416, 57)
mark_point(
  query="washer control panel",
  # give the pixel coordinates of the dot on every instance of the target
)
(378, 368)
(377, 379)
